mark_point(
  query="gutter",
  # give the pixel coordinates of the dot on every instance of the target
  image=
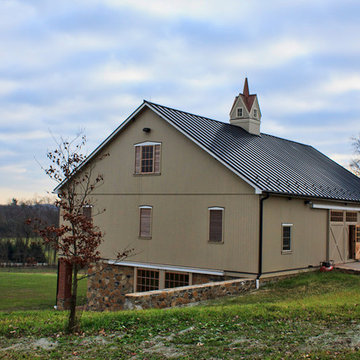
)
(263, 198)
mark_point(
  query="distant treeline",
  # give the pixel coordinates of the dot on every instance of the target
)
(18, 240)
(20, 252)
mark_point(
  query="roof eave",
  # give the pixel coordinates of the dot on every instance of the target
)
(101, 146)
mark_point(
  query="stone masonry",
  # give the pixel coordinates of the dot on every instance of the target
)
(107, 286)
(188, 294)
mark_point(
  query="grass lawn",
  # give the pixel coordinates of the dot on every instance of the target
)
(30, 289)
(311, 316)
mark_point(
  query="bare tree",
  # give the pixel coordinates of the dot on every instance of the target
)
(76, 238)
(355, 163)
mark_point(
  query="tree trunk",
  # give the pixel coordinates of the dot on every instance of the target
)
(73, 321)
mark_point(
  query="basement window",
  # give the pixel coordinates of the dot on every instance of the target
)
(147, 158)
(239, 112)
(147, 280)
(337, 216)
(286, 238)
(173, 279)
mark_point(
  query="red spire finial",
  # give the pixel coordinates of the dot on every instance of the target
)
(246, 88)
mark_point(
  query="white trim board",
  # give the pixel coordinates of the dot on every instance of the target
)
(335, 207)
(166, 267)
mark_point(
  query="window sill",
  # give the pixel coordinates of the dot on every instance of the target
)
(286, 252)
(147, 174)
(215, 242)
(145, 237)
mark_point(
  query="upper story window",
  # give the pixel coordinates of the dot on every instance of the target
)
(255, 112)
(286, 238)
(147, 158)
(239, 112)
(216, 217)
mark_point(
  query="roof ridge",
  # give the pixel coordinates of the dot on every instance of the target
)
(222, 122)
(281, 138)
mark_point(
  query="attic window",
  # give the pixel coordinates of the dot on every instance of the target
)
(255, 112)
(147, 158)
(239, 112)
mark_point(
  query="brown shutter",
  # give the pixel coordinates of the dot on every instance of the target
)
(157, 159)
(216, 228)
(145, 222)
(137, 159)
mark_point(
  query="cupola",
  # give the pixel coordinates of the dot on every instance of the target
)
(245, 111)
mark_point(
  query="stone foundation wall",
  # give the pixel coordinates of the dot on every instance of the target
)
(187, 294)
(108, 285)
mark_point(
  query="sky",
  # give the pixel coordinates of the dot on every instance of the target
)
(85, 65)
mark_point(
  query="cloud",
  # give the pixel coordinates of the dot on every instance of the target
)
(341, 83)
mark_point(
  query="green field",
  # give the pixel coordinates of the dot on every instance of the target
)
(311, 316)
(30, 288)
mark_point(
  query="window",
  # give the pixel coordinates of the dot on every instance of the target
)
(216, 215)
(147, 158)
(337, 216)
(147, 280)
(358, 234)
(351, 216)
(255, 112)
(87, 211)
(145, 221)
(173, 279)
(286, 237)
(239, 112)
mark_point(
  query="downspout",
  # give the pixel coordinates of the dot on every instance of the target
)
(57, 285)
(263, 198)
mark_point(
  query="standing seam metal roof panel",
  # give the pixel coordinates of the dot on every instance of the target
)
(271, 163)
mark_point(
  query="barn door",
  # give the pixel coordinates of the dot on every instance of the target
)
(357, 246)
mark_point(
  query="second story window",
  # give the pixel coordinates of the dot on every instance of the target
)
(87, 212)
(147, 158)
(145, 222)
(255, 113)
(239, 112)
(216, 216)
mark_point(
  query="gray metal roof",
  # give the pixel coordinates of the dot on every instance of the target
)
(267, 162)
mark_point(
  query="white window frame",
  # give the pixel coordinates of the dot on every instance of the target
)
(153, 144)
(289, 251)
(239, 109)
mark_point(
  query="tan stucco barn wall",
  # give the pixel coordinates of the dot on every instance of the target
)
(309, 234)
(190, 182)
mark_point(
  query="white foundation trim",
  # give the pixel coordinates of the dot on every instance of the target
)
(166, 267)
(335, 207)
